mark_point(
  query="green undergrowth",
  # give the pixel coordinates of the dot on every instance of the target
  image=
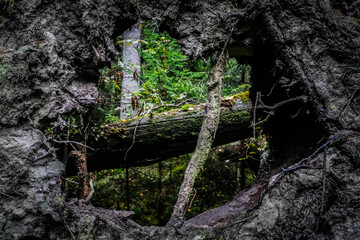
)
(169, 79)
(171, 85)
(153, 189)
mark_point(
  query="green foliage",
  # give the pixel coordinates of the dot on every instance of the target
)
(153, 194)
(108, 109)
(152, 205)
(3, 69)
(236, 79)
(166, 69)
(187, 107)
(168, 76)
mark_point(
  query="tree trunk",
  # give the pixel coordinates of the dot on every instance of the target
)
(160, 137)
(131, 81)
(205, 139)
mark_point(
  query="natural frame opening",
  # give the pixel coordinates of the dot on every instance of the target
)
(283, 127)
(245, 167)
(304, 96)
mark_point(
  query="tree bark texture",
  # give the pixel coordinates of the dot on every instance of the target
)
(131, 81)
(205, 139)
(82, 172)
(160, 137)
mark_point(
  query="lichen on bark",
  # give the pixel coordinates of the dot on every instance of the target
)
(205, 139)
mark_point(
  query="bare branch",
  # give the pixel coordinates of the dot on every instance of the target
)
(258, 96)
(134, 135)
(346, 105)
(263, 106)
(70, 181)
(69, 141)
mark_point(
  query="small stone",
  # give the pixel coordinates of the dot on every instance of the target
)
(18, 213)
(28, 205)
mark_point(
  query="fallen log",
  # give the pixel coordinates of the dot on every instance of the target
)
(159, 137)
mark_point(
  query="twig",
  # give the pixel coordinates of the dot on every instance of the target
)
(346, 105)
(321, 147)
(287, 170)
(324, 172)
(278, 178)
(258, 94)
(161, 101)
(210, 10)
(6, 195)
(67, 226)
(299, 98)
(264, 120)
(174, 105)
(42, 156)
(272, 88)
(70, 181)
(96, 53)
(227, 41)
(69, 141)
(293, 82)
(51, 150)
(294, 116)
(191, 202)
(134, 134)
(193, 99)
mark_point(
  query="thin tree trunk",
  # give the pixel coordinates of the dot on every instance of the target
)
(170, 178)
(160, 204)
(237, 175)
(205, 140)
(242, 174)
(127, 190)
(131, 60)
(82, 173)
(85, 187)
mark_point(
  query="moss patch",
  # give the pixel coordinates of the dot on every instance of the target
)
(22, 49)
(244, 96)
(3, 69)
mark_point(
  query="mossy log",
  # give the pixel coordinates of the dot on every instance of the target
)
(159, 137)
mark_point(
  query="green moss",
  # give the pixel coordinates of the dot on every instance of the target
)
(114, 129)
(3, 69)
(168, 130)
(187, 106)
(244, 96)
(234, 118)
(22, 49)
(57, 198)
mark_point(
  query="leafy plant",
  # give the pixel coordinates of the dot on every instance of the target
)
(168, 76)
(169, 71)
(237, 78)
